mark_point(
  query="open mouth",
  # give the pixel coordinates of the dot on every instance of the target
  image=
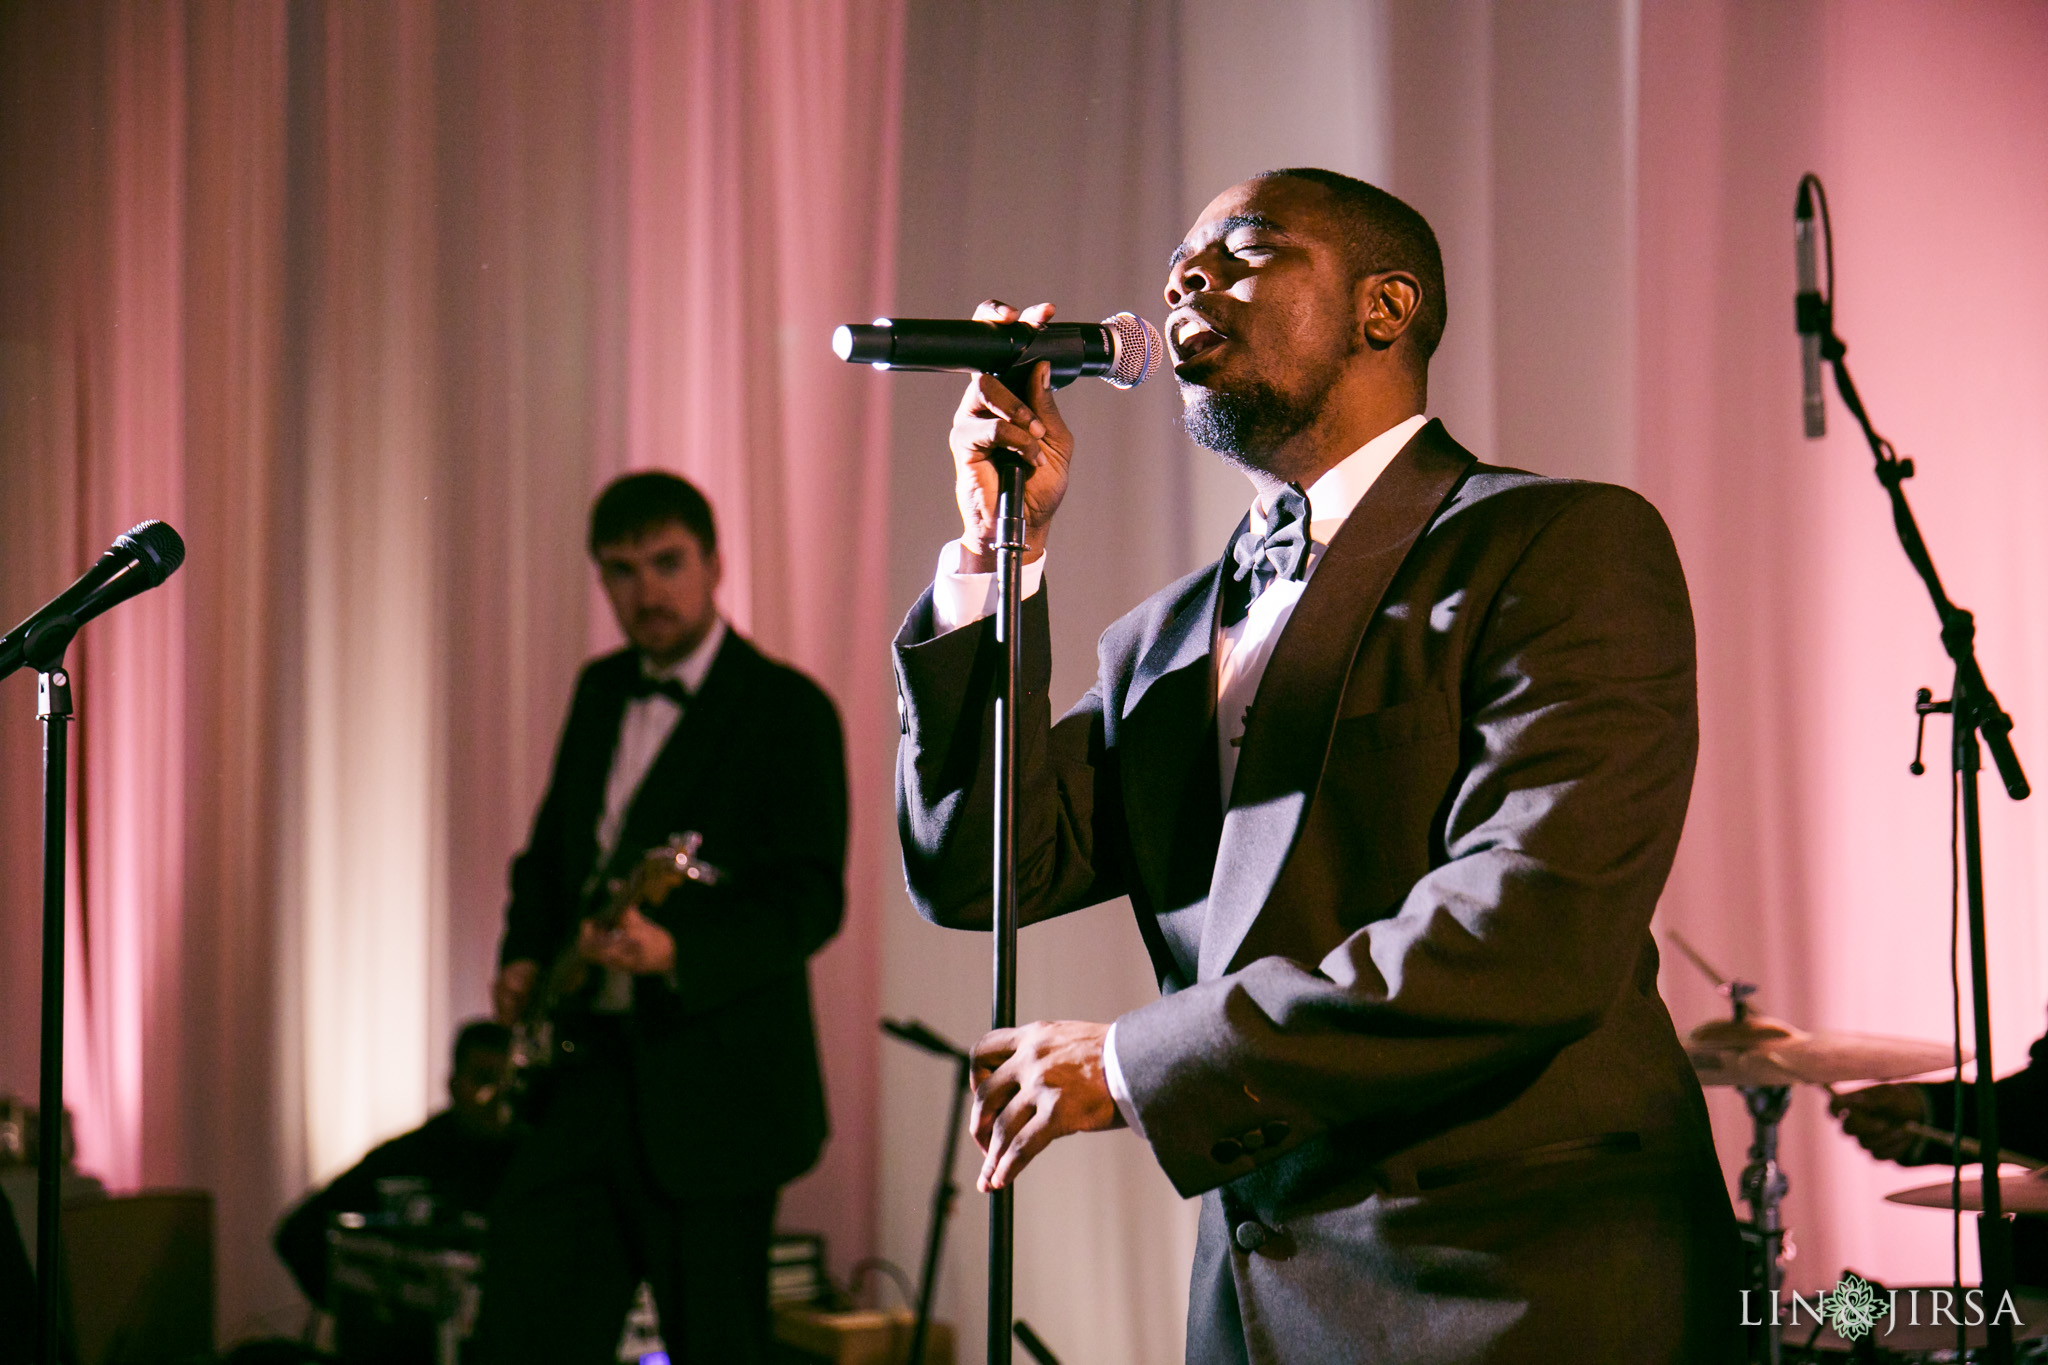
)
(1192, 335)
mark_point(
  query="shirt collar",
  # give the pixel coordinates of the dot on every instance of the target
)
(1331, 498)
(691, 669)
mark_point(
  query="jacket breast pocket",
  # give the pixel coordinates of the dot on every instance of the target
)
(1383, 793)
(1424, 717)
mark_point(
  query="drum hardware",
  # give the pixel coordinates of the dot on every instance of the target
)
(1764, 1058)
(402, 1294)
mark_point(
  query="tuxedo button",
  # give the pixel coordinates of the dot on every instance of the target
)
(1276, 1132)
(1251, 1236)
(1227, 1151)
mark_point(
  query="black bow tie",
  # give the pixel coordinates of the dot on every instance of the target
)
(1263, 560)
(643, 687)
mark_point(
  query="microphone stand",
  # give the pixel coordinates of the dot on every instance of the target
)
(1009, 547)
(1976, 713)
(44, 652)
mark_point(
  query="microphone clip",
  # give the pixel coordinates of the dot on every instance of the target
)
(43, 648)
(1814, 314)
(1924, 705)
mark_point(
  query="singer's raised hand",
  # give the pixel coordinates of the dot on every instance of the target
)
(990, 416)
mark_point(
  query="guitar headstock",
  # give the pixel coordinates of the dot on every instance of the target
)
(681, 850)
(659, 872)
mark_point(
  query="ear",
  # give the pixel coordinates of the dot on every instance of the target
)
(1387, 305)
(716, 567)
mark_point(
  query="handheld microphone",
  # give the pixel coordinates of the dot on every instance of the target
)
(1123, 349)
(1811, 313)
(139, 559)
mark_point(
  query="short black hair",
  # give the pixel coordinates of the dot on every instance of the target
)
(1384, 233)
(634, 504)
(481, 1035)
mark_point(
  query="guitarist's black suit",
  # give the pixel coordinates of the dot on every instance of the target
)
(662, 1158)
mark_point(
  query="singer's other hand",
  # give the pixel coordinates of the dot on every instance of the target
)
(990, 416)
(1034, 1084)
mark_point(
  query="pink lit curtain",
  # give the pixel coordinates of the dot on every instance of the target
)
(1813, 864)
(368, 300)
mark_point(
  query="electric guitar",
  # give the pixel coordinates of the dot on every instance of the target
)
(562, 990)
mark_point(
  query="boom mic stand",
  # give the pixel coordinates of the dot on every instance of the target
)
(1975, 713)
(918, 1035)
(45, 654)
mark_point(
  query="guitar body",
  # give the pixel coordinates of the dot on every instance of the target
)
(543, 1040)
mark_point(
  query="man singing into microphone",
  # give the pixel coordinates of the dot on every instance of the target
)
(693, 1092)
(1393, 787)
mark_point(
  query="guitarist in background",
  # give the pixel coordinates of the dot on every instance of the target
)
(686, 1092)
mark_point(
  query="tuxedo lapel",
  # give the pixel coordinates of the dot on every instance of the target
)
(1187, 639)
(1166, 743)
(592, 739)
(1287, 736)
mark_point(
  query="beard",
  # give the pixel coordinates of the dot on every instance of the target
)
(1251, 422)
(1246, 424)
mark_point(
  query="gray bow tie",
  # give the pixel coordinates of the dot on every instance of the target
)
(1282, 552)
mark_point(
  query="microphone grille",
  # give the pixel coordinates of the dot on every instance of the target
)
(160, 550)
(1136, 349)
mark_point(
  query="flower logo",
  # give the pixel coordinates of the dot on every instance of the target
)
(1853, 1308)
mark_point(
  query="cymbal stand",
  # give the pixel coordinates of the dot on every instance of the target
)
(1763, 1189)
(1763, 1182)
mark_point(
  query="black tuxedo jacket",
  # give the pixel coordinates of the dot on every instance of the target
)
(1409, 1047)
(724, 1061)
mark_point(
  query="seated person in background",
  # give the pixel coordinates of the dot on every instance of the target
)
(1876, 1117)
(17, 1288)
(460, 1152)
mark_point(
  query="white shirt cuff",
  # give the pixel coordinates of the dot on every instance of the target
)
(1118, 1091)
(960, 598)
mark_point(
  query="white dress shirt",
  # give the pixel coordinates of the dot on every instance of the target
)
(644, 731)
(1242, 650)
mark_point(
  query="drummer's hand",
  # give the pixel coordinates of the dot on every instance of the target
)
(1875, 1116)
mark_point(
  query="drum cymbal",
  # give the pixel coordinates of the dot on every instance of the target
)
(2017, 1193)
(1760, 1050)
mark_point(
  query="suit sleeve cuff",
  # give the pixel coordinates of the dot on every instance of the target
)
(960, 598)
(1119, 1090)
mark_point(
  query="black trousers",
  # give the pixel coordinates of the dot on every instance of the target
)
(580, 1222)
